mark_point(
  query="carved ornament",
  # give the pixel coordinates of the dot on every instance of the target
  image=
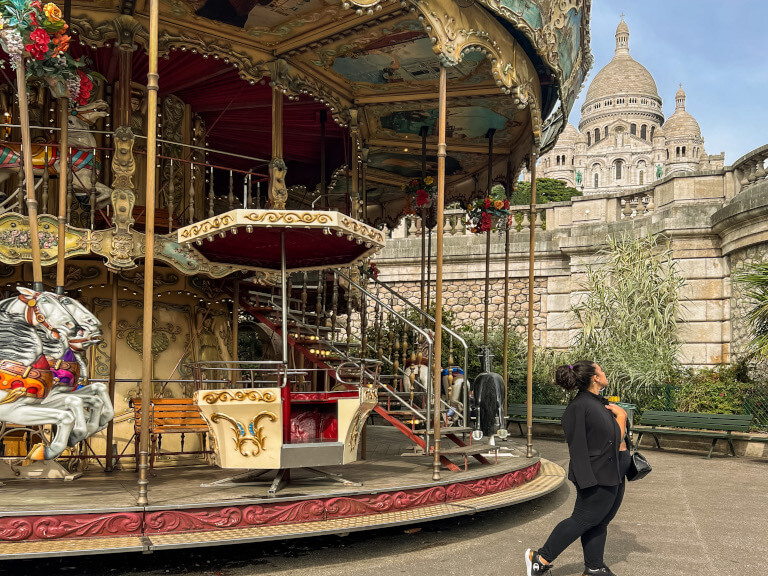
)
(253, 434)
(239, 395)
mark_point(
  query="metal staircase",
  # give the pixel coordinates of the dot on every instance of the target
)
(352, 331)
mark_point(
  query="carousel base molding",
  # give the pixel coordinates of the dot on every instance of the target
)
(182, 524)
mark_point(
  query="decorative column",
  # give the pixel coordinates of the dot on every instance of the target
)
(436, 368)
(488, 367)
(354, 132)
(62, 212)
(29, 176)
(149, 252)
(529, 379)
(278, 193)
(505, 352)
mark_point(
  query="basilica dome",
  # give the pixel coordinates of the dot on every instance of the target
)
(681, 123)
(622, 75)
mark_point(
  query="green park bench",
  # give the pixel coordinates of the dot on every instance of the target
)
(542, 414)
(714, 426)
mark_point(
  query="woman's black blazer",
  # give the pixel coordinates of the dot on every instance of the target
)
(593, 437)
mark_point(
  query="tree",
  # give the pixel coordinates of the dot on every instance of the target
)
(753, 280)
(547, 190)
(628, 315)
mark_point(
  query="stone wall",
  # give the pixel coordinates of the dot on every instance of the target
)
(713, 221)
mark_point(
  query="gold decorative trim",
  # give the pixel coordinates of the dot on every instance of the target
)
(240, 395)
(362, 229)
(253, 435)
(289, 217)
(207, 226)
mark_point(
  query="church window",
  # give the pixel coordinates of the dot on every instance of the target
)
(619, 165)
(640, 177)
(605, 131)
(597, 135)
(683, 151)
(667, 154)
(572, 162)
(597, 180)
(633, 129)
(653, 129)
(589, 138)
(677, 152)
(557, 160)
(644, 132)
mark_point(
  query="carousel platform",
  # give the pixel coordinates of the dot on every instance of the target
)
(97, 513)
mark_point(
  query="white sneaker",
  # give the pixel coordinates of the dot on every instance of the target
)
(533, 563)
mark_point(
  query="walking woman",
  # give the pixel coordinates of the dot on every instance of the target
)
(594, 430)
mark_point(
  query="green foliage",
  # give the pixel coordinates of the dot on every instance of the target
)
(547, 190)
(720, 390)
(629, 313)
(753, 279)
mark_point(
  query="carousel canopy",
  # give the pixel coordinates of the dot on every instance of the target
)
(371, 67)
(252, 239)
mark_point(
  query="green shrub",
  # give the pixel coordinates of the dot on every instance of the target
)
(712, 391)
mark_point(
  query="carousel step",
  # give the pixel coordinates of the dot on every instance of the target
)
(444, 431)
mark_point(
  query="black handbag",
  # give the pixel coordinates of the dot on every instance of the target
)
(639, 467)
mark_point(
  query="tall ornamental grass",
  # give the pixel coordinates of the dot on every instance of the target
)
(753, 279)
(628, 315)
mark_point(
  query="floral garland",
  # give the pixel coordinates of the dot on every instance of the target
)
(489, 213)
(372, 270)
(40, 31)
(421, 192)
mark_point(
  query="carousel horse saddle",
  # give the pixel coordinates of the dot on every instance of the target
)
(66, 370)
(10, 157)
(35, 380)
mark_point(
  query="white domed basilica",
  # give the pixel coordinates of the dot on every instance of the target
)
(622, 140)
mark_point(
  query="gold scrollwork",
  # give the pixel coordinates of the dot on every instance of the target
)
(362, 229)
(252, 395)
(207, 226)
(288, 217)
(254, 434)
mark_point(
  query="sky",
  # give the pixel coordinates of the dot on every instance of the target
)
(717, 49)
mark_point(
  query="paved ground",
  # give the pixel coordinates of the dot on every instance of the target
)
(691, 516)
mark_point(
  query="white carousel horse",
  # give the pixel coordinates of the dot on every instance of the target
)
(95, 395)
(85, 165)
(25, 372)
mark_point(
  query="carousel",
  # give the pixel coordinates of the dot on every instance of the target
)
(195, 347)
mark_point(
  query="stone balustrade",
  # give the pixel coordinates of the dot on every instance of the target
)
(750, 169)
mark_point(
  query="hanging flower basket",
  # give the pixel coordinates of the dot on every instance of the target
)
(421, 194)
(37, 33)
(489, 213)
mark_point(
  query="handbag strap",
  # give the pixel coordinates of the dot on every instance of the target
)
(630, 447)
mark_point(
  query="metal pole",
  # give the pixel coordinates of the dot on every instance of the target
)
(284, 299)
(149, 252)
(489, 135)
(112, 369)
(323, 185)
(235, 331)
(529, 379)
(439, 270)
(424, 296)
(29, 176)
(62, 216)
(506, 292)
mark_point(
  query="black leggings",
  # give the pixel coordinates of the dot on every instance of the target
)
(595, 508)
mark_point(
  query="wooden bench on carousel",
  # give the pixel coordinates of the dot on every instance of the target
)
(272, 418)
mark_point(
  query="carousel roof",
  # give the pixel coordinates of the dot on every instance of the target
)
(372, 67)
(313, 239)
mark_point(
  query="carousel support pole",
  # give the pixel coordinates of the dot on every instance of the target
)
(284, 303)
(323, 183)
(62, 211)
(277, 193)
(26, 148)
(149, 252)
(235, 330)
(423, 133)
(529, 379)
(436, 368)
(506, 292)
(353, 160)
(489, 135)
(364, 155)
(112, 369)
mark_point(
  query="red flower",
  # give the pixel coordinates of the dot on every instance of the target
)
(422, 198)
(85, 88)
(487, 203)
(40, 37)
(506, 204)
(485, 222)
(37, 51)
